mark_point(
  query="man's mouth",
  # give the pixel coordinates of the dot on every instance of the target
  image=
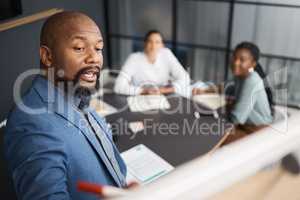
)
(90, 75)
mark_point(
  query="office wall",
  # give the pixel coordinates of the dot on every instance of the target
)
(274, 29)
(204, 23)
(202, 36)
(136, 17)
(19, 46)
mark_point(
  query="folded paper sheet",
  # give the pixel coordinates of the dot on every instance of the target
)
(143, 165)
(212, 101)
(142, 103)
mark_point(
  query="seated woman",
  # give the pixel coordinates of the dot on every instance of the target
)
(252, 101)
(154, 71)
(252, 104)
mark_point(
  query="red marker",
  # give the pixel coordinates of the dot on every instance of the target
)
(102, 190)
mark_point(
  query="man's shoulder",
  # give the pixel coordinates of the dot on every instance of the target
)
(28, 110)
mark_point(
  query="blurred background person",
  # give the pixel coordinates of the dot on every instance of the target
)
(252, 103)
(154, 71)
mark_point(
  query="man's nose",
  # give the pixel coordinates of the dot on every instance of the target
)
(93, 57)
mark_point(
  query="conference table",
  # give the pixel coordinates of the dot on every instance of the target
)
(179, 134)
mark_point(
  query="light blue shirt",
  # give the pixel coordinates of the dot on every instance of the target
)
(252, 105)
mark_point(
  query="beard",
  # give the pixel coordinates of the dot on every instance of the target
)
(77, 90)
(83, 92)
(76, 80)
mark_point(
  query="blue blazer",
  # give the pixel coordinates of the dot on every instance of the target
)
(49, 147)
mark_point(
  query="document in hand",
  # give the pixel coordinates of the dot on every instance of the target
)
(142, 103)
(143, 165)
(212, 101)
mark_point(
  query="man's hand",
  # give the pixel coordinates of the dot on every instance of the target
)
(132, 185)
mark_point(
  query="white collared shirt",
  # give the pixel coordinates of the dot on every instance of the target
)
(138, 72)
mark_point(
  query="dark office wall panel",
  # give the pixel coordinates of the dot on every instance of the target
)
(20, 45)
(274, 29)
(293, 80)
(121, 49)
(204, 23)
(10, 8)
(136, 17)
(207, 31)
(206, 65)
(283, 2)
(283, 78)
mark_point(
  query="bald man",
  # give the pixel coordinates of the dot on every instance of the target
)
(53, 138)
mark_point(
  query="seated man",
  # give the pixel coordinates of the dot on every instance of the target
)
(153, 71)
(53, 139)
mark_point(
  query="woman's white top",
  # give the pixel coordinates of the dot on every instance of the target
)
(138, 72)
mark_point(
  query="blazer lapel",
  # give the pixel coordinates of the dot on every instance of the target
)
(65, 108)
(78, 120)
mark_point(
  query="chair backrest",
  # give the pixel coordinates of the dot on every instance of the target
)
(6, 184)
(280, 114)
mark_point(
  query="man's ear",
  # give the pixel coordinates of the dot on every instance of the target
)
(46, 56)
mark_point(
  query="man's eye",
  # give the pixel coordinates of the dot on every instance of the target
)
(99, 50)
(78, 49)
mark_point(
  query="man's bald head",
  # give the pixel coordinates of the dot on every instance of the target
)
(71, 48)
(62, 25)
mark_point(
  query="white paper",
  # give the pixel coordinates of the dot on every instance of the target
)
(201, 85)
(143, 165)
(142, 103)
(102, 108)
(212, 101)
